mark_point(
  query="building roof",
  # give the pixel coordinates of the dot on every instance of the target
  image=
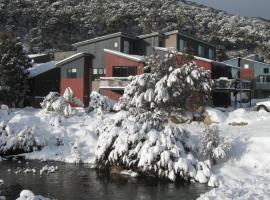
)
(97, 39)
(189, 36)
(41, 68)
(124, 55)
(71, 58)
(149, 35)
(196, 57)
(31, 56)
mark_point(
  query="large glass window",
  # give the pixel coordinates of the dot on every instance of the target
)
(182, 45)
(200, 51)
(266, 70)
(211, 54)
(126, 47)
(72, 73)
(124, 71)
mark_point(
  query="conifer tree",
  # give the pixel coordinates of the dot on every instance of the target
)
(13, 74)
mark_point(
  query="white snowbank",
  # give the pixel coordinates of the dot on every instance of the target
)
(129, 173)
(29, 195)
(48, 169)
(216, 115)
(246, 175)
(63, 139)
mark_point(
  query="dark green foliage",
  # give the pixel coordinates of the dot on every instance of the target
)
(13, 74)
(55, 24)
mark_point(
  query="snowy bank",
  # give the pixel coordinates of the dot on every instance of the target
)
(246, 175)
(29, 195)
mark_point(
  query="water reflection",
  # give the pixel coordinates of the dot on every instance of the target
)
(80, 182)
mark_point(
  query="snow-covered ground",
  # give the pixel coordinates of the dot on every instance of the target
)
(70, 139)
(246, 175)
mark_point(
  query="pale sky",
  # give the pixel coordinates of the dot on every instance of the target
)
(257, 8)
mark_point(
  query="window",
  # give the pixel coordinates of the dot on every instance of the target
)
(211, 54)
(94, 71)
(124, 71)
(100, 71)
(116, 44)
(126, 46)
(182, 45)
(72, 73)
(200, 51)
(246, 66)
(266, 70)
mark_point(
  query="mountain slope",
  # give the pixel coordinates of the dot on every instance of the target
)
(56, 24)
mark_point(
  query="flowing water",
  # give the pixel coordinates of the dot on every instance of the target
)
(80, 182)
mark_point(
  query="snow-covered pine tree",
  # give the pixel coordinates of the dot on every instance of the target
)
(143, 139)
(171, 85)
(13, 65)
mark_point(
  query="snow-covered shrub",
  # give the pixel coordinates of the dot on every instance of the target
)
(13, 143)
(29, 195)
(100, 103)
(171, 90)
(71, 99)
(54, 102)
(148, 144)
(4, 111)
(213, 146)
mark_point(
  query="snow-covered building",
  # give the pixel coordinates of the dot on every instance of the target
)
(104, 63)
(254, 69)
(43, 78)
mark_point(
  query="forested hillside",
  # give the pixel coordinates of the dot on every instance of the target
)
(56, 24)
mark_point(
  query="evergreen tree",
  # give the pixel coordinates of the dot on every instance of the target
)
(13, 74)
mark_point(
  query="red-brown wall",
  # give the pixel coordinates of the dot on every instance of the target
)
(114, 60)
(76, 85)
(247, 74)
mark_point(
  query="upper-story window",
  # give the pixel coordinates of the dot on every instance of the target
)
(182, 45)
(200, 51)
(266, 70)
(124, 71)
(211, 54)
(126, 46)
(72, 73)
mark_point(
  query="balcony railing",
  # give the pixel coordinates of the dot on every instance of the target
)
(231, 84)
(262, 86)
(114, 83)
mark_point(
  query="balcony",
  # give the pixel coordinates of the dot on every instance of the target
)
(231, 84)
(262, 85)
(114, 83)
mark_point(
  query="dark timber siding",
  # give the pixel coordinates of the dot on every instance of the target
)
(145, 46)
(193, 44)
(42, 85)
(97, 49)
(78, 63)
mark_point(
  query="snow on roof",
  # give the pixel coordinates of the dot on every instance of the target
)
(172, 49)
(41, 68)
(149, 35)
(96, 39)
(70, 58)
(36, 55)
(128, 56)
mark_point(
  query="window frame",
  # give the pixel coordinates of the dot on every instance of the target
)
(71, 74)
(201, 50)
(128, 71)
